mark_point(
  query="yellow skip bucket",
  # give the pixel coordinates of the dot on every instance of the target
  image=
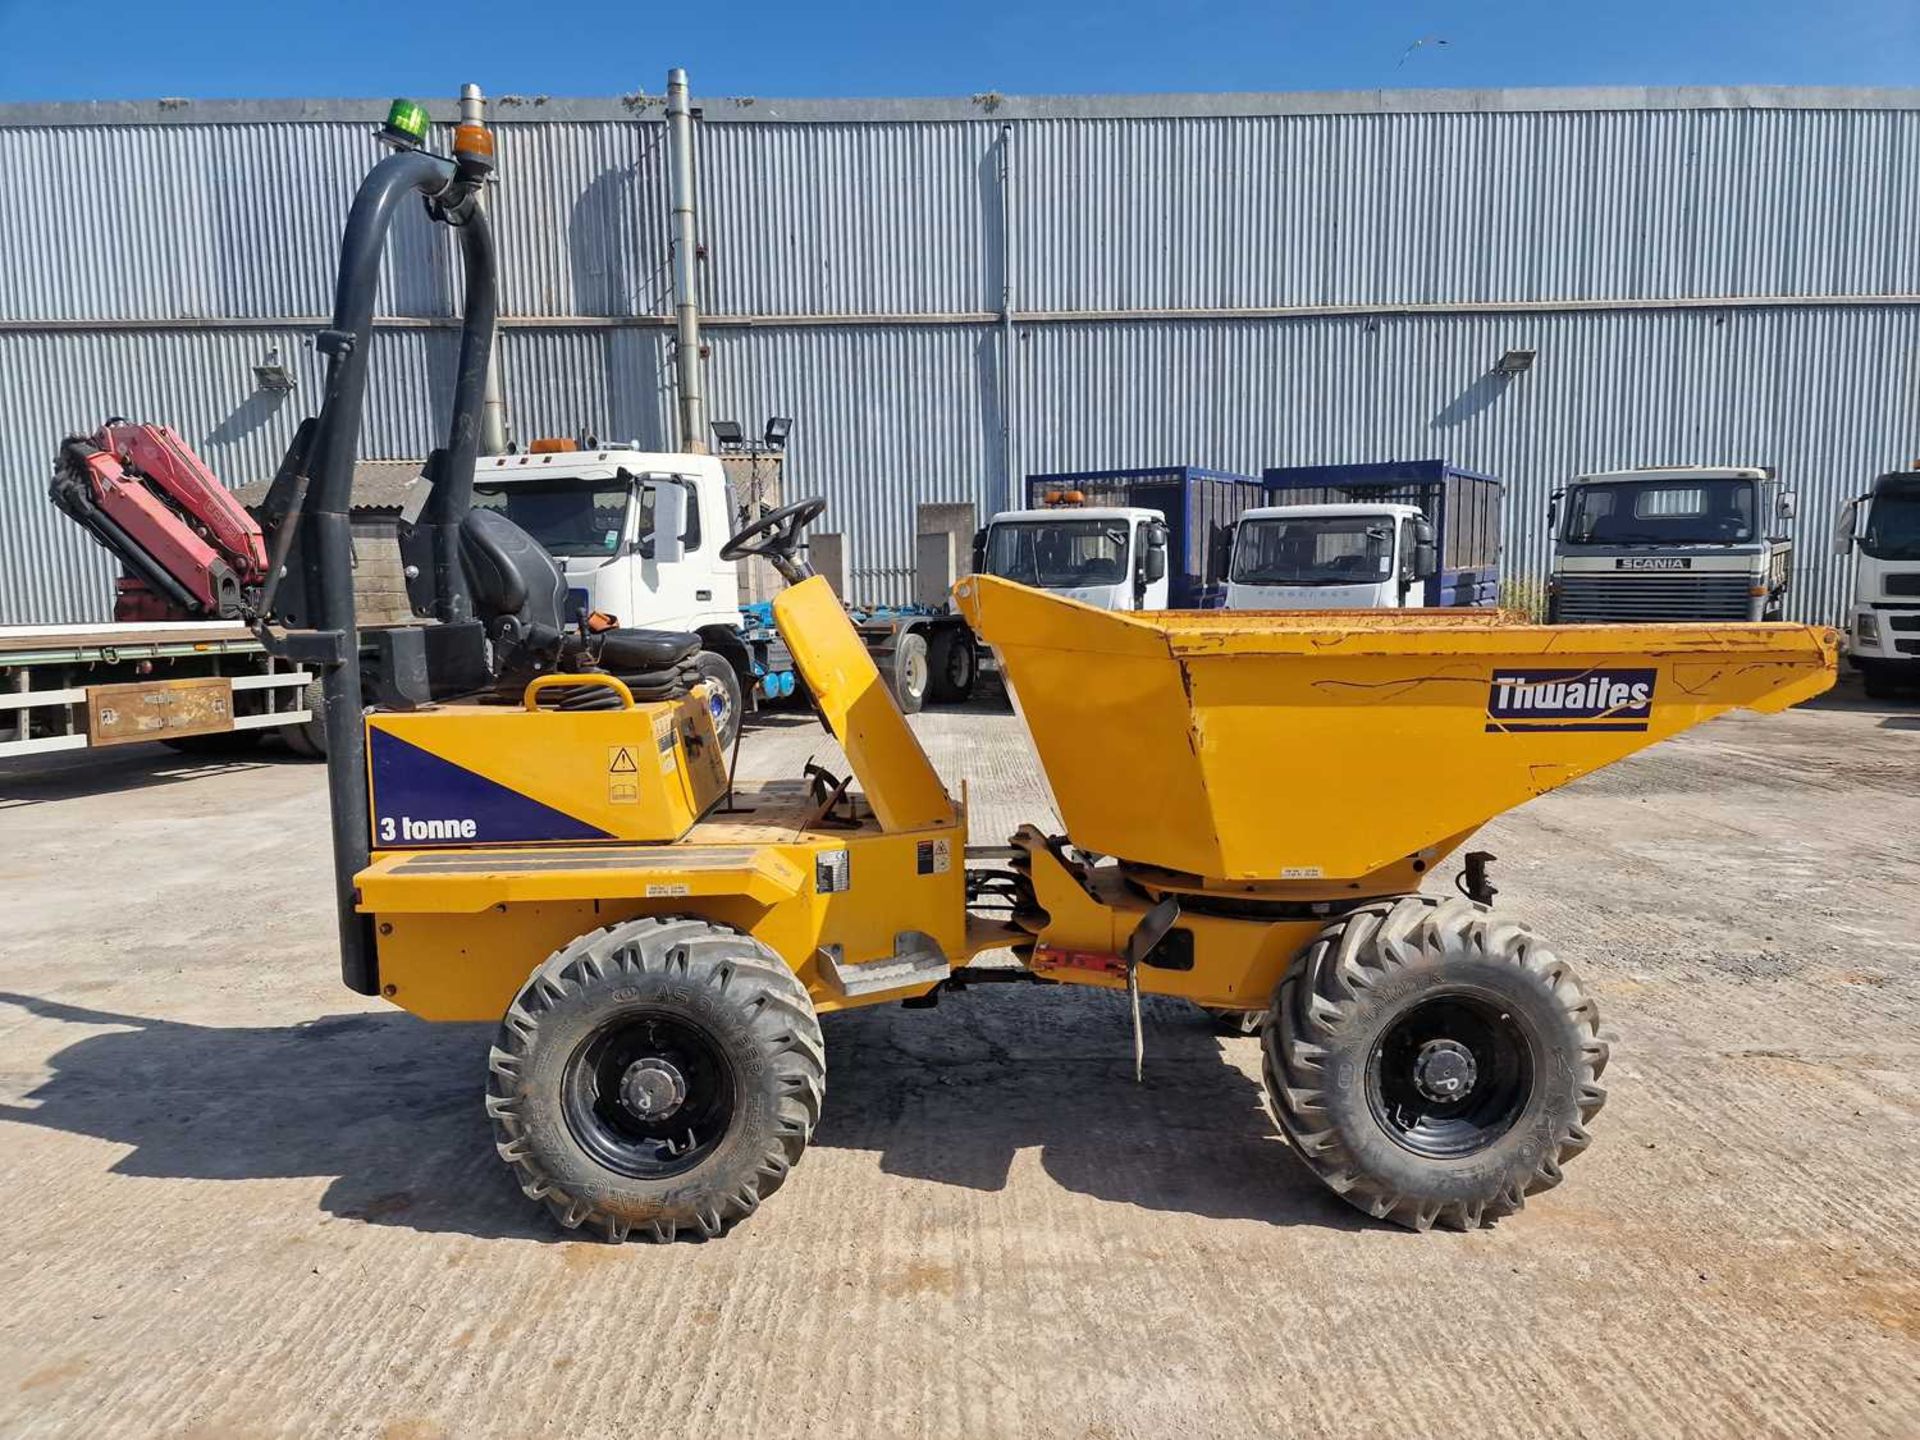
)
(1323, 746)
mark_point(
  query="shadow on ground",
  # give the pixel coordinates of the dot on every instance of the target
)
(136, 767)
(390, 1106)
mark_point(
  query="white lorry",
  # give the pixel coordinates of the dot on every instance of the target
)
(1113, 557)
(1883, 629)
(1689, 542)
(638, 535)
(1374, 556)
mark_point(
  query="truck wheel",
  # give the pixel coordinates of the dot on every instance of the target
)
(308, 738)
(657, 1078)
(1432, 1062)
(953, 663)
(724, 697)
(912, 672)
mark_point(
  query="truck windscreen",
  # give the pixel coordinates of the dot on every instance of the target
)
(567, 517)
(1314, 550)
(1059, 554)
(1661, 512)
(1893, 523)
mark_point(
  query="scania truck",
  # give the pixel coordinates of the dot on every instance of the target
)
(1693, 542)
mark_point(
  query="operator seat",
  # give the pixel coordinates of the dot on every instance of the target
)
(520, 595)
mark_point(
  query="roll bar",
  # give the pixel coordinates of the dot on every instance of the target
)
(325, 453)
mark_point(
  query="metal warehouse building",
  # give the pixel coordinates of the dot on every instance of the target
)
(948, 295)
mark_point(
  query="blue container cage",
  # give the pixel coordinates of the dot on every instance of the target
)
(1464, 506)
(1201, 507)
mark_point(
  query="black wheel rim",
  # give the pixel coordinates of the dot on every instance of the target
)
(1451, 1075)
(649, 1095)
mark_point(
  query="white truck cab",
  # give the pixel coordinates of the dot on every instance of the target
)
(638, 535)
(1330, 557)
(638, 532)
(1110, 557)
(1682, 542)
(1883, 626)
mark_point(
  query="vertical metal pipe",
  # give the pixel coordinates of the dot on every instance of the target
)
(327, 534)
(686, 309)
(452, 494)
(494, 432)
(1012, 500)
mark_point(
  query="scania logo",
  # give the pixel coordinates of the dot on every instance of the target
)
(1569, 700)
(1653, 562)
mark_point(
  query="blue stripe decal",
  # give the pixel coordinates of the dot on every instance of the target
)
(421, 800)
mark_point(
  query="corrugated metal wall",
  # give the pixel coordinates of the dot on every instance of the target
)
(1732, 282)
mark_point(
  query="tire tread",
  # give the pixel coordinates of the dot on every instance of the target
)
(1319, 994)
(772, 997)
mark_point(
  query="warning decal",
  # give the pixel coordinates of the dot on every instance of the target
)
(622, 772)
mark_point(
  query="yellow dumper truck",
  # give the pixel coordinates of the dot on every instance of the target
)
(536, 825)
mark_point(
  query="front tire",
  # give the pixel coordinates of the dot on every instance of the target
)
(912, 672)
(1431, 1062)
(657, 1078)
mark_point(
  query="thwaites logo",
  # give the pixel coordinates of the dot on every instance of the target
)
(1569, 700)
(1653, 562)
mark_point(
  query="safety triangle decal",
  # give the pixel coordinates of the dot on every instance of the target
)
(421, 800)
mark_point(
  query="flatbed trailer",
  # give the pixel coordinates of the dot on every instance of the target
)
(75, 687)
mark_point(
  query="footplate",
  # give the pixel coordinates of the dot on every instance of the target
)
(917, 961)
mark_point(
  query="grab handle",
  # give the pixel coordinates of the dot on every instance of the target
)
(555, 682)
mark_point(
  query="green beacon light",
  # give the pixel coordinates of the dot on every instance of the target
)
(406, 127)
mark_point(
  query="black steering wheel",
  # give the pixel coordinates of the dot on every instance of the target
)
(775, 538)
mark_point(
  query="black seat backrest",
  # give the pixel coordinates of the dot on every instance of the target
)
(512, 577)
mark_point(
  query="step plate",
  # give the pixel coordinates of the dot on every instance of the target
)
(917, 960)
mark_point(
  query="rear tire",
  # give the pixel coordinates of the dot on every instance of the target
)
(1394, 1008)
(657, 1078)
(912, 672)
(727, 700)
(954, 665)
(308, 738)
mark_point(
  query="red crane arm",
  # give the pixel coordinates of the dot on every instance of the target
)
(164, 459)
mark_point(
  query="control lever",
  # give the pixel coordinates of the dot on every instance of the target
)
(1151, 930)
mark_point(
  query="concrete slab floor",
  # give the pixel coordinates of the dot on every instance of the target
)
(237, 1200)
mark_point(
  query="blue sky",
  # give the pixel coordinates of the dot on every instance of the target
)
(118, 49)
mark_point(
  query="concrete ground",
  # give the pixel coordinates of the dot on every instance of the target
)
(237, 1200)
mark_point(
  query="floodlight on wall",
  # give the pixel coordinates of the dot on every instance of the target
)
(728, 433)
(778, 429)
(1514, 362)
(272, 374)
